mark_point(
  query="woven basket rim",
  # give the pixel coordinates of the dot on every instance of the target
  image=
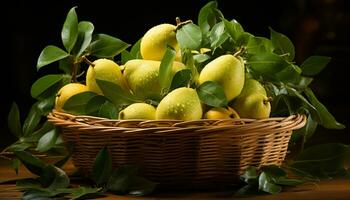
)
(86, 122)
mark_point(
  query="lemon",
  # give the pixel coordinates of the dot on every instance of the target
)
(155, 41)
(181, 104)
(138, 111)
(68, 91)
(107, 70)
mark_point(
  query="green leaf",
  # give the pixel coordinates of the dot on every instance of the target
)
(282, 45)
(126, 56)
(274, 171)
(200, 58)
(266, 184)
(181, 79)
(250, 189)
(46, 127)
(94, 104)
(309, 129)
(218, 35)
(66, 64)
(141, 186)
(47, 141)
(77, 103)
(259, 45)
(106, 46)
(102, 167)
(46, 105)
(28, 183)
(44, 84)
(32, 163)
(189, 36)
(187, 59)
(41, 194)
(108, 110)
(69, 33)
(15, 164)
(85, 30)
(32, 120)
(287, 181)
(293, 92)
(208, 16)
(322, 160)
(233, 28)
(326, 118)
(250, 175)
(19, 146)
(121, 179)
(314, 65)
(135, 50)
(212, 94)
(49, 55)
(81, 191)
(64, 160)
(115, 93)
(14, 121)
(54, 177)
(165, 69)
(273, 67)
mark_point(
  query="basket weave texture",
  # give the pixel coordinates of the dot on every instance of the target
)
(174, 152)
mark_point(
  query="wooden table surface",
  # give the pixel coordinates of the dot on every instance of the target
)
(324, 190)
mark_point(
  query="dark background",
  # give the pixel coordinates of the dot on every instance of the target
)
(315, 27)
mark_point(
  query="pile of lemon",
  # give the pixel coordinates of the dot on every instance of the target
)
(247, 97)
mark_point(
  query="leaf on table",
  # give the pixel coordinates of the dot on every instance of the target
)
(32, 163)
(120, 180)
(322, 160)
(141, 186)
(15, 164)
(267, 185)
(82, 192)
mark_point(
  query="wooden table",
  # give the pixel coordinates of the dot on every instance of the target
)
(324, 190)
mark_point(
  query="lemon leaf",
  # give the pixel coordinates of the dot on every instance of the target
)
(49, 55)
(165, 69)
(69, 33)
(212, 94)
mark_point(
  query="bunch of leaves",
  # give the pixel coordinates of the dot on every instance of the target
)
(317, 162)
(54, 182)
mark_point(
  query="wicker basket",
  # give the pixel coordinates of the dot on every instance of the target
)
(173, 152)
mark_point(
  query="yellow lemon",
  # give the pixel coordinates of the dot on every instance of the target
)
(68, 91)
(155, 41)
